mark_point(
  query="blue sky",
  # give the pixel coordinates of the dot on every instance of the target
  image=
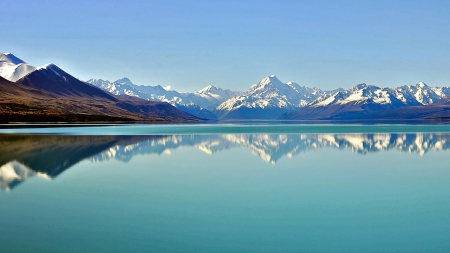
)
(233, 44)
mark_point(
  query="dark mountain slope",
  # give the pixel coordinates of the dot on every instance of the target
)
(55, 82)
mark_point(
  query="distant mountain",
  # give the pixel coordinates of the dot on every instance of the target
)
(218, 94)
(49, 94)
(268, 99)
(368, 101)
(200, 104)
(421, 94)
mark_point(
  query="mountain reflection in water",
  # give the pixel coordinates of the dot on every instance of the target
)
(23, 157)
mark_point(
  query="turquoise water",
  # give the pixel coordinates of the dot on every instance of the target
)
(142, 129)
(190, 188)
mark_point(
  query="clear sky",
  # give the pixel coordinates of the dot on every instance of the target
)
(233, 44)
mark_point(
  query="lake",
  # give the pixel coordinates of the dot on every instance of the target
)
(225, 188)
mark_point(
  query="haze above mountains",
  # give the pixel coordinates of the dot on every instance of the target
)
(27, 92)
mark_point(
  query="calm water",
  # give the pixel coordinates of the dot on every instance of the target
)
(225, 188)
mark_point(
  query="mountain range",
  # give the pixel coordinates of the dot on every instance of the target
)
(272, 99)
(364, 101)
(200, 103)
(267, 99)
(49, 94)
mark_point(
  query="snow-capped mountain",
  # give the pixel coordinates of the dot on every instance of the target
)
(419, 94)
(271, 98)
(268, 99)
(359, 94)
(218, 93)
(125, 87)
(199, 103)
(363, 99)
(13, 68)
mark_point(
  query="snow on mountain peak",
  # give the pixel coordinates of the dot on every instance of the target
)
(207, 89)
(360, 86)
(422, 85)
(413, 95)
(124, 80)
(271, 78)
(271, 95)
(50, 66)
(208, 98)
(13, 68)
(290, 83)
(10, 58)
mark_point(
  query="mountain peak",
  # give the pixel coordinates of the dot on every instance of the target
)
(13, 68)
(421, 84)
(360, 86)
(270, 79)
(208, 88)
(10, 58)
(48, 65)
(124, 80)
